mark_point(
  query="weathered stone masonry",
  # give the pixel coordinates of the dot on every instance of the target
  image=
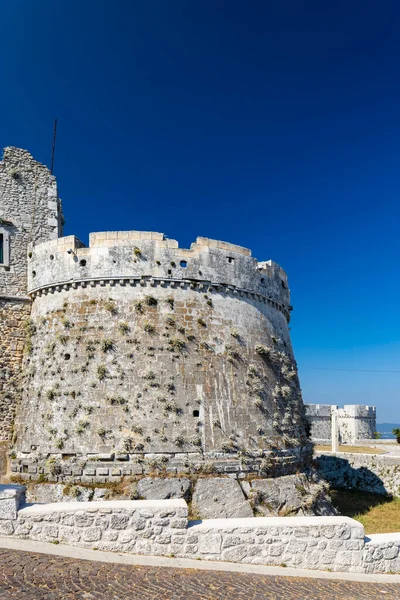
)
(30, 212)
(141, 349)
(13, 314)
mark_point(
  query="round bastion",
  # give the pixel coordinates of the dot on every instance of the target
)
(144, 357)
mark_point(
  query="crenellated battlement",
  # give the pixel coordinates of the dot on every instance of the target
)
(131, 256)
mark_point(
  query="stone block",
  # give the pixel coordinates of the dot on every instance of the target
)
(157, 488)
(210, 543)
(119, 521)
(12, 498)
(220, 497)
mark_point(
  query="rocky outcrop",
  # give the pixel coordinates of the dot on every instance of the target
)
(290, 495)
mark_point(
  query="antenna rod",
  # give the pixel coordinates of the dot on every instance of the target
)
(54, 146)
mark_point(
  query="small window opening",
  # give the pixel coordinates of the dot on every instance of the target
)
(230, 259)
(51, 256)
(67, 356)
(200, 273)
(169, 271)
(262, 280)
(1, 248)
(82, 262)
(33, 273)
(283, 284)
(196, 413)
(183, 263)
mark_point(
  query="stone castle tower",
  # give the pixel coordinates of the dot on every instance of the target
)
(140, 356)
(30, 212)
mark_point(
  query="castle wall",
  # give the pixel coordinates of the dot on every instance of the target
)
(141, 348)
(355, 422)
(13, 315)
(30, 213)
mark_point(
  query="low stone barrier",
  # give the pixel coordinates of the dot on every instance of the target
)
(375, 473)
(161, 527)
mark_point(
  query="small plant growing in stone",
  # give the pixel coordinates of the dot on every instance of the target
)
(50, 394)
(15, 174)
(210, 303)
(110, 306)
(172, 263)
(82, 425)
(201, 322)
(150, 300)
(263, 351)
(252, 370)
(66, 323)
(227, 447)
(139, 308)
(139, 447)
(101, 372)
(170, 321)
(170, 387)
(179, 441)
(148, 327)
(258, 403)
(177, 344)
(150, 376)
(60, 444)
(123, 327)
(274, 339)
(137, 252)
(195, 440)
(63, 339)
(50, 348)
(170, 301)
(286, 391)
(101, 432)
(107, 345)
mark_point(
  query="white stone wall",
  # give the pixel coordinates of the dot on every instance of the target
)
(160, 527)
(355, 422)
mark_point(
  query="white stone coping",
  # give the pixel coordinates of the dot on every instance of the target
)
(383, 538)
(287, 522)
(59, 507)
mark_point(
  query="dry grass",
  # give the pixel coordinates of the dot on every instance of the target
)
(351, 449)
(378, 514)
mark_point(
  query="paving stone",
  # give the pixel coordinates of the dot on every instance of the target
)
(33, 576)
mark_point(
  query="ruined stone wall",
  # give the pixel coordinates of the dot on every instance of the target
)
(140, 349)
(374, 473)
(30, 213)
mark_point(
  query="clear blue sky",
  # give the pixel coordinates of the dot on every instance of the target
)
(274, 125)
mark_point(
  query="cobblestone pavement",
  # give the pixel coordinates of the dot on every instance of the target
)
(32, 576)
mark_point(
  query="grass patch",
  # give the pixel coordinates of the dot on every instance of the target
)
(351, 449)
(378, 514)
